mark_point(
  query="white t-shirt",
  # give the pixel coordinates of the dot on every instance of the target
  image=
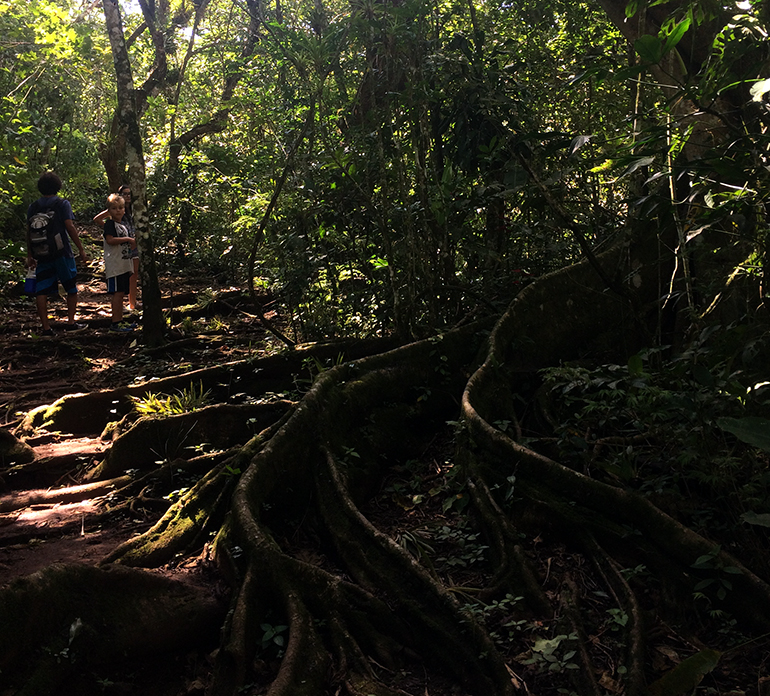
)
(117, 257)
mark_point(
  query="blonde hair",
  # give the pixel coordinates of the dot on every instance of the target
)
(114, 198)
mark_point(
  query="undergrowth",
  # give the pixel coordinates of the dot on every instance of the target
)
(680, 426)
(185, 401)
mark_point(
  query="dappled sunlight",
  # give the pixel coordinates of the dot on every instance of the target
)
(56, 515)
(101, 364)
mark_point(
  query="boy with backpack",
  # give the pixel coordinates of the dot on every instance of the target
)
(49, 251)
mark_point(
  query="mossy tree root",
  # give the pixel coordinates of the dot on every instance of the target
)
(607, 522)
(153, 438)
(90, 413)
(335, 618)
(196, 516)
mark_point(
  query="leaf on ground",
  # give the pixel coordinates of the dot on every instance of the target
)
(686, 675)
(610, 684)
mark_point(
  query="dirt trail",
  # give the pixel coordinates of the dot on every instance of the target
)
(55, 522)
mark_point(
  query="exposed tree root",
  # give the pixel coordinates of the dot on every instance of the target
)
(325, 597)
(74, 619)
(582, 510)
(13, 450)
(92, 412)
(197, 514)
(22, 499)
(152, 439)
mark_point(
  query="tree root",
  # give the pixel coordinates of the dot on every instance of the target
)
(435, 617)
(417, 615)
(325, 601)
(605, 520)
(89, 414)
(219, 426)
(74, 618)
(71, 494)
(197, 514)
(626, 599)
(514, 571)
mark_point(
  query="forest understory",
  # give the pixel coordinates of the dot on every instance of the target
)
(361, 517)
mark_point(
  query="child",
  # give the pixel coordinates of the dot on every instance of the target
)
(62, 269)
(125, 191)
(118, 264)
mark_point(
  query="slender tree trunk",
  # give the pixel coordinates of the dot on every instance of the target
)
(153, 316)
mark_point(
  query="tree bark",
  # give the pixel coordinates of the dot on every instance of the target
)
(153, 323)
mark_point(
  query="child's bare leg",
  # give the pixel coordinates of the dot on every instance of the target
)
(72, 306)
(117, 307)
(41, 301)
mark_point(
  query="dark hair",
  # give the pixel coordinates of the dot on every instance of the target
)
(49, 184)
(123, 187)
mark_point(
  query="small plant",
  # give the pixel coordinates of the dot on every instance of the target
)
(316, 368)
(711, 562)
(187, 326)
(618, 617)
(465, 547)
(546, 653)
(216, 324)
(206, 298)
(499, 618)
(186, 401)
(273, 637)
(350, 453)
(230, 470)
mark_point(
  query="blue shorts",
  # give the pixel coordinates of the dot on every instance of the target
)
(50, 273)
(118, 283)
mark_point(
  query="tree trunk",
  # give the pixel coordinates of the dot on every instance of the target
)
(153, 323)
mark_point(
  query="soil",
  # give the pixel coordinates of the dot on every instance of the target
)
(37, 370)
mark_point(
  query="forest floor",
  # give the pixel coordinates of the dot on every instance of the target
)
(36, 370)
(208, 330)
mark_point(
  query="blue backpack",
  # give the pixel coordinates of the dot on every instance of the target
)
(44, 234)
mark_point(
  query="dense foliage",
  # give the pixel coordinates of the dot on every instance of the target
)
(400, 168)
(377, 160)
(396, 133)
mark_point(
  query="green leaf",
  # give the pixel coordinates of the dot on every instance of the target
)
(635, 365)
(378, 262)
(707, 560)
(762, 520)
(679, 30)
(649, 48)
(637, 164)
(687, 675)
(752, 430)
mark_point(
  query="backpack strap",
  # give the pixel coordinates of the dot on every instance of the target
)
(37, 207)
